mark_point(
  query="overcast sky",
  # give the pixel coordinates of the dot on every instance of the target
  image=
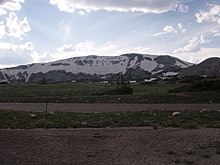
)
(45, 30)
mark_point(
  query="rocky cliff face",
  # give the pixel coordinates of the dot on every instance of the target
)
(96, 68)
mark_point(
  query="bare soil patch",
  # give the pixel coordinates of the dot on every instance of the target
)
(113, 146)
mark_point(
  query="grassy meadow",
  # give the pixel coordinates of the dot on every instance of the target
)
(99, 93)
(107, 93)
(154, 118)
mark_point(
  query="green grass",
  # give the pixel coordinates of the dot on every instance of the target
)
(14, 120)
(98, 93)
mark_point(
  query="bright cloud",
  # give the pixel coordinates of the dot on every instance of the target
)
(215, 32)
(10, 5)
(201, 55)
(140, 49)
(181, 8)
(12, 54)
(170, 29)
(91, 48)
(27, 46)
(193, 45)
(82, 46)
(180, 27)
(66, 27)
(11, 26)
(17, 28)
(83, 49)
(145, 6)
(2, 30)
(45, 57)
(2, 12)
(66, 48)
(212, 15)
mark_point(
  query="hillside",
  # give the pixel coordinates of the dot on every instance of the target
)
(96, 68)
(207, 68)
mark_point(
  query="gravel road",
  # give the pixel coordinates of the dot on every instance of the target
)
(110, 146)
(73, 107)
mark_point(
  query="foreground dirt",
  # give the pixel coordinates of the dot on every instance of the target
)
(83, 107)
(113, 146)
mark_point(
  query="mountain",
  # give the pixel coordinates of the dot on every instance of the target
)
(96, 68)
(208, 68)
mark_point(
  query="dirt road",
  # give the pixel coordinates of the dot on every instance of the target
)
(110, 146)
(73, 107)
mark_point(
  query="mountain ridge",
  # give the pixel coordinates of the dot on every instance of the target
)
(132, 66)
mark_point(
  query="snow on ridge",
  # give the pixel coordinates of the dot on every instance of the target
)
(182, 64)
(170, 74)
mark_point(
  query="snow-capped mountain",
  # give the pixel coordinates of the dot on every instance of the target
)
(96, 68)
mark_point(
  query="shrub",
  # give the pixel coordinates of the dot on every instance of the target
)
(207, 85)
(199, 85)
(120, 91)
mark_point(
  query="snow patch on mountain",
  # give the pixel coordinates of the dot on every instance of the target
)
(170, 74)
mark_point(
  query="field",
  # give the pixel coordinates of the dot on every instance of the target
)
(152, 136)
(154, 118)
(110, 93)
(99, 93)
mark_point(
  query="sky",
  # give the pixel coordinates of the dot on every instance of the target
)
(33, 31)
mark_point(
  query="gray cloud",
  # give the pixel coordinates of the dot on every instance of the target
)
(145, 6)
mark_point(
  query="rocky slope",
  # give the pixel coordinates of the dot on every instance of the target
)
(207, 68)
(96, 68)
